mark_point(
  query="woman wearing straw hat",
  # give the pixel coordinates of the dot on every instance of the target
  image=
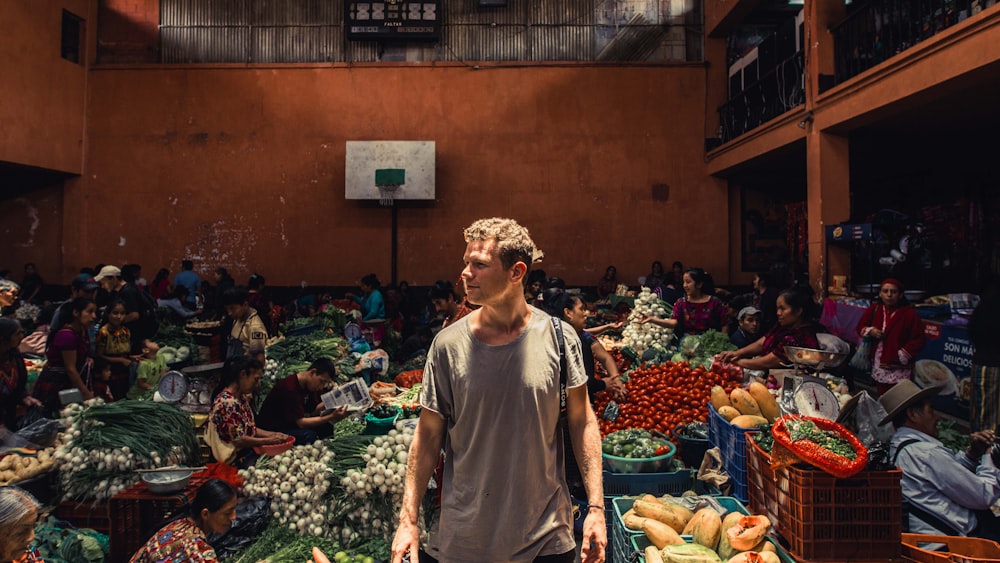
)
(944, 493)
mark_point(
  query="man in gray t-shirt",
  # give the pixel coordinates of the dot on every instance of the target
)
(491, 400)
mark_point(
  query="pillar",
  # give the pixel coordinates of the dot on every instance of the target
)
(828, 202)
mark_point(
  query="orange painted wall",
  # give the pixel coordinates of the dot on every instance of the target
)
(244, 168)
(41, 94)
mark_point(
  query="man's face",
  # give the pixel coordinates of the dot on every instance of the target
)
(238, 312)
(485, 278)
(925, 419)
(109, 283)
(442, 305)
(318, 381)
(750, 324)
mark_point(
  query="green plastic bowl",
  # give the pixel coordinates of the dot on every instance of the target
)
(658, 464)
(379, 426)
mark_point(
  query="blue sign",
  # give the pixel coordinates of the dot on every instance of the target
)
(947, 360)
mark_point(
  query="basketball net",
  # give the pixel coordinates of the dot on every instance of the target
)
(387, 193)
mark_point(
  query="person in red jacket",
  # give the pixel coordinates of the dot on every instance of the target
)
(894, 325)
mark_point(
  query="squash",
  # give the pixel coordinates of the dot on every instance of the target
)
(652, 554)
(744, 402)
(748, 532)
(729, 413)
(749, 421)
(689, 553)
(633, 521)
(765, 401)
(705, 528)
(673, 515)
(661, 535)
(720, 398)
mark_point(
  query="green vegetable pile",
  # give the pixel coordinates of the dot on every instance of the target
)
(801, 429)
(173, 336)
(701, 349)
(765, 439)
(952, 436)
(329, 319)
(58, 542)
(632, 444)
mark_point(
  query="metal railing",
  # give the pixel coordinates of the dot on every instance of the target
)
(880, 29)
(776, 91)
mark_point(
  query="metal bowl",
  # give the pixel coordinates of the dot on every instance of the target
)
(166, 482)
(814, 358)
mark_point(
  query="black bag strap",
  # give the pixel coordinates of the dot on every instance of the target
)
(561, 342)
(910, 509)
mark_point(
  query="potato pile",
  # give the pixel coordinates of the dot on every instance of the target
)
(16, 466)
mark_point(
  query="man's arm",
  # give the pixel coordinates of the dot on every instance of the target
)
(421, 461)
(586, 438)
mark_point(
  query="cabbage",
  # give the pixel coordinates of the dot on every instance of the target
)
(183, 353)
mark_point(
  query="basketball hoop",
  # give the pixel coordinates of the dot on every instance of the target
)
(387, 193)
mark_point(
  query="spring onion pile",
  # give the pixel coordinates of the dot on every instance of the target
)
(296, 482)
(104, 443)
(644, 336)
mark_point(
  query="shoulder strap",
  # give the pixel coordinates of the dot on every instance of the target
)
(910, 509)
(902, 445)
(561, 342)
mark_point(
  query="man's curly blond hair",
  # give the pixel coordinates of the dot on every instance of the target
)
(513, 241)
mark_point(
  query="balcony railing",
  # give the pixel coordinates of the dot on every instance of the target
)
(879, 29)
(777, 91)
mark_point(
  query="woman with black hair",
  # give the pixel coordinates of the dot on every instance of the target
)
(445, 302)
(699, 311)
(160, 286)
(372, 303)
(797, 326)
(212, 511)
(232, 431)
(68, 353)
(13, 375)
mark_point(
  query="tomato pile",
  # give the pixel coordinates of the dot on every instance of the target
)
(661, 397)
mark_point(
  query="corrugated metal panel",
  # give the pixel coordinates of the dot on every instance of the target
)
(572, 12)
(562, 43)
(205, 44)
(467, 12)
(298, 12)
(484, 43)
(205, 12)
(636, 41)
(291, 44)
(362, 52)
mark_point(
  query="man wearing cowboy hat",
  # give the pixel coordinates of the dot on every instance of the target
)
(944, 493)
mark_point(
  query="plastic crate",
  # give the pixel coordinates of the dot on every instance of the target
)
(623, 535)
(93, 515)
(136, 514)
(822, 518)
(731, 441)
(956, 549)
(639, 544)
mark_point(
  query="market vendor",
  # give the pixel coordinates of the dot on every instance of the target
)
(944, 493)
(697, 312)
(797, 313)
(18, 513)
(898, 331)
(13, 375)
(212, 511)
(248, 335)
(9, 291)
(372, 303)
(67, 355)
(232, 432)
(293, 405)
(445, 301)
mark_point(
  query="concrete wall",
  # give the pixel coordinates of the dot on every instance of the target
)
(244, 168)
(41, 94)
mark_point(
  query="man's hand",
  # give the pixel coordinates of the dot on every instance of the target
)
(30, 401)
(981, 442)
(407, 540)
(595, 537)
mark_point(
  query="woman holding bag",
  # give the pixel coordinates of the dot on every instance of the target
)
(897, 334)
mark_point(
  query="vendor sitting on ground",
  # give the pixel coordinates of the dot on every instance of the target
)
(232, 432)
(796, 326)
(151, 369)
(212, 511)
(944, 493)
(293, 405)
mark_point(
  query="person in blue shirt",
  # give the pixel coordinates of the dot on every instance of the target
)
(187, 278)
(372, 303)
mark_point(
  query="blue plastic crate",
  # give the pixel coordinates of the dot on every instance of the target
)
(732, 443)
(625, 484)
(623, 536)
(639, 544)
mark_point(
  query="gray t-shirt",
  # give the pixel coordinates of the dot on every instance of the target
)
(504, 494)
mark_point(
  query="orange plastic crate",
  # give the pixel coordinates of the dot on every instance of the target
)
(957, 549)
(136, 514)
(822, 518)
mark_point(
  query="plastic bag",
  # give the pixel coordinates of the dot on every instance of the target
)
(867, 416)
(861, 359)
(39, 430)
(377, 361)
(252, 516)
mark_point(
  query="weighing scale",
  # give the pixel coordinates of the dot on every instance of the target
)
(190, 388)
(803, 388)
